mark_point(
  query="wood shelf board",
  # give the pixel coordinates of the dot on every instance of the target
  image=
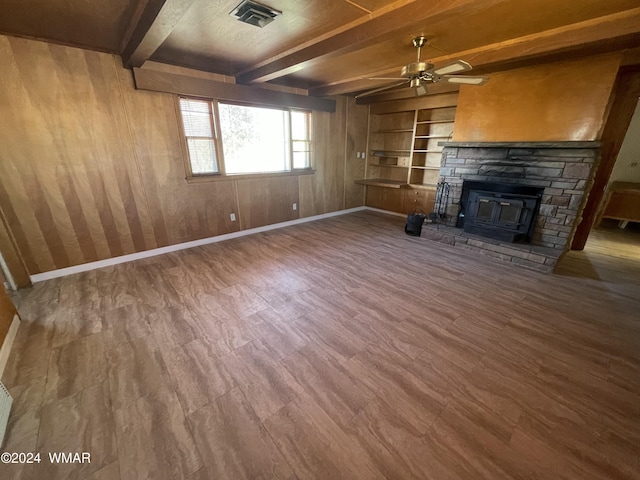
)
(427, 151)
(381, 182)
(388, 166)
(432, 136)
(399, 130)
(425, 168)
(390, 153)
(427, 122)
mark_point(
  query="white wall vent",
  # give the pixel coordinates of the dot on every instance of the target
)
(255, 13)
(5, 408)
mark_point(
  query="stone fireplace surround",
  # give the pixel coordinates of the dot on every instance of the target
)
(563, 169)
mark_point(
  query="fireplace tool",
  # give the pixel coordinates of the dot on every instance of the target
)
(439, 213)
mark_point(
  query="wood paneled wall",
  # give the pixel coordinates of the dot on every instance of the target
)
(91, 168)
(357, 121)
(324, 191)
(70, 187)
(7, 312)
(179, 211)
(263, 201)
(550, 102)
(12, 256)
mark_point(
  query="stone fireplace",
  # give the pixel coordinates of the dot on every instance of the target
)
(560, 171)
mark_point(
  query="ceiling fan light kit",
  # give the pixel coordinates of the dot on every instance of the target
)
(419, 73)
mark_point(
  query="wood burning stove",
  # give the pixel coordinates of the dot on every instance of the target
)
(499, 210)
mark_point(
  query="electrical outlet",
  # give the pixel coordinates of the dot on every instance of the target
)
(233, 217)
(295, 206)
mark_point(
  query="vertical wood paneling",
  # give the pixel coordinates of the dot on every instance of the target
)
(7, 312)
(324, 191)
(12, 256)
(179, 211)
(91, 168)
(263, 201)
(356, 141)
(73, 205)
(72, 187)
(21, 220)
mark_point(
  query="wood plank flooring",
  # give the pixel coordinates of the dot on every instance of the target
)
(335, 349)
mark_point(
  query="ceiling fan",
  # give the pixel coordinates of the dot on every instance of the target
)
(419, 74)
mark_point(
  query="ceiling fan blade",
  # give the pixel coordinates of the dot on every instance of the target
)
(376, 90)
(385, 78)
(465, 80)
(455, 67)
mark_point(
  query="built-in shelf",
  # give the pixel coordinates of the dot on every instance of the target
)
(397, 130)
(425, 122)
(382, 182)
(408, 140)
(388, 166)
(390, 153)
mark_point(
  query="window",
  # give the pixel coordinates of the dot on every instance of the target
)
(301, 145)
(237, 139)
(199, 131)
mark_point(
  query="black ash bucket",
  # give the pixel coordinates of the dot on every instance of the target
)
(414, 224)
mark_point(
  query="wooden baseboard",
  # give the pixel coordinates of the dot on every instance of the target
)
(5, 349)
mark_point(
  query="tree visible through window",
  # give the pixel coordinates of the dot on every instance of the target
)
(252, 139)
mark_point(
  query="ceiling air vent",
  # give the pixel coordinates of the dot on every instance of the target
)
(255, 13)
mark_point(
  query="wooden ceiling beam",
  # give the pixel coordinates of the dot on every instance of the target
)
(395, 17)
(581, 36)
(159, 81)
(155, 23)
(621, 25)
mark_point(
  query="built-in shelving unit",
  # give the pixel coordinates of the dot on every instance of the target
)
(404, 156)
(390, 146)
(432, 126)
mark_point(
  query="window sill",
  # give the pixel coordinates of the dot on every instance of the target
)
(247, 176)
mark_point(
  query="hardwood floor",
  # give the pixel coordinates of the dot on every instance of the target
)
(611, 254)
(336, 349)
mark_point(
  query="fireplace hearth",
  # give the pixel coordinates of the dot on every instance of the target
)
(528, 227)
(499, 210)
